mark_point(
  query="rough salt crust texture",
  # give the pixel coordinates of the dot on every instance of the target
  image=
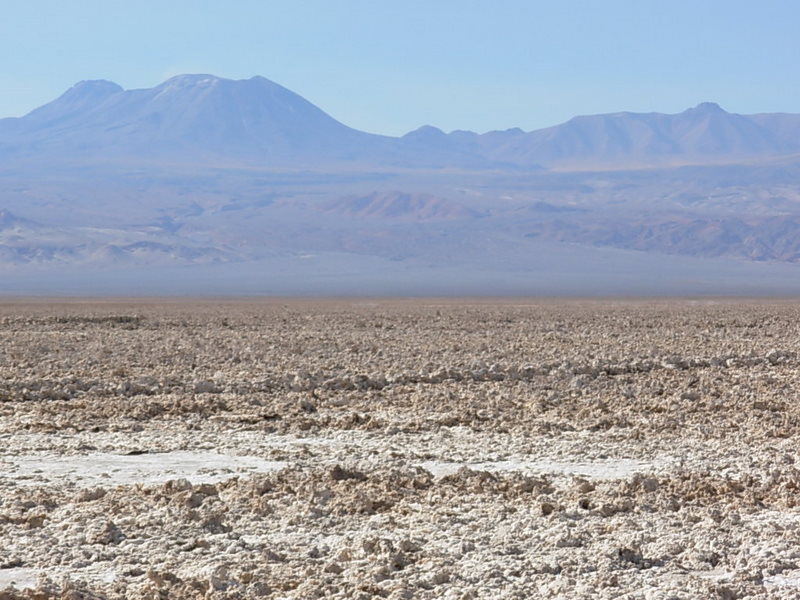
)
(408, 449)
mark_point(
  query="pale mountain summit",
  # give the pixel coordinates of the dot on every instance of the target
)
(186, 118)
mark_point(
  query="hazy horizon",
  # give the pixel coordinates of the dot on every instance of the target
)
(634, 149)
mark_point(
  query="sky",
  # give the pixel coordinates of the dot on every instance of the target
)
(390, 66)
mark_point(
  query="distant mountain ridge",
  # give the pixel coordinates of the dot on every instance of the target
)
(203, 118)
(705, 131)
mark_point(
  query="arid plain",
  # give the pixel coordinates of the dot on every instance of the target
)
(447, 449)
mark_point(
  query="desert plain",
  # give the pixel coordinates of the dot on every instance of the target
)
(355, 448)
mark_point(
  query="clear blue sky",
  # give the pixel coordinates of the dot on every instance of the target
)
(389, 66)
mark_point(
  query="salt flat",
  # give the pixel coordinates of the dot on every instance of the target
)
(399, 449)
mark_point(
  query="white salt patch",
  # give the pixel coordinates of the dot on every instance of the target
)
(282, 441)
(790, 580)
(19, 577)
(23, 578)
(716, 575)
(605, 469)
(114, 469)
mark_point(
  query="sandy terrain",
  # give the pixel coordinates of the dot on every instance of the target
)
(429, 449)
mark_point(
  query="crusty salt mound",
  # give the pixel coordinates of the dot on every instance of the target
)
(431, 449)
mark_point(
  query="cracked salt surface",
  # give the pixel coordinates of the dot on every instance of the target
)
(605, 469)
(115, 469)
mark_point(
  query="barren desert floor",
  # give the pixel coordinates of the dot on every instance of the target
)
(299, 449)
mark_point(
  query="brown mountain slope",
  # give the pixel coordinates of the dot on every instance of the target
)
(407, 206)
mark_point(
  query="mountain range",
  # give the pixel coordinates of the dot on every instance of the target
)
(207, 119)
(209, 185)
